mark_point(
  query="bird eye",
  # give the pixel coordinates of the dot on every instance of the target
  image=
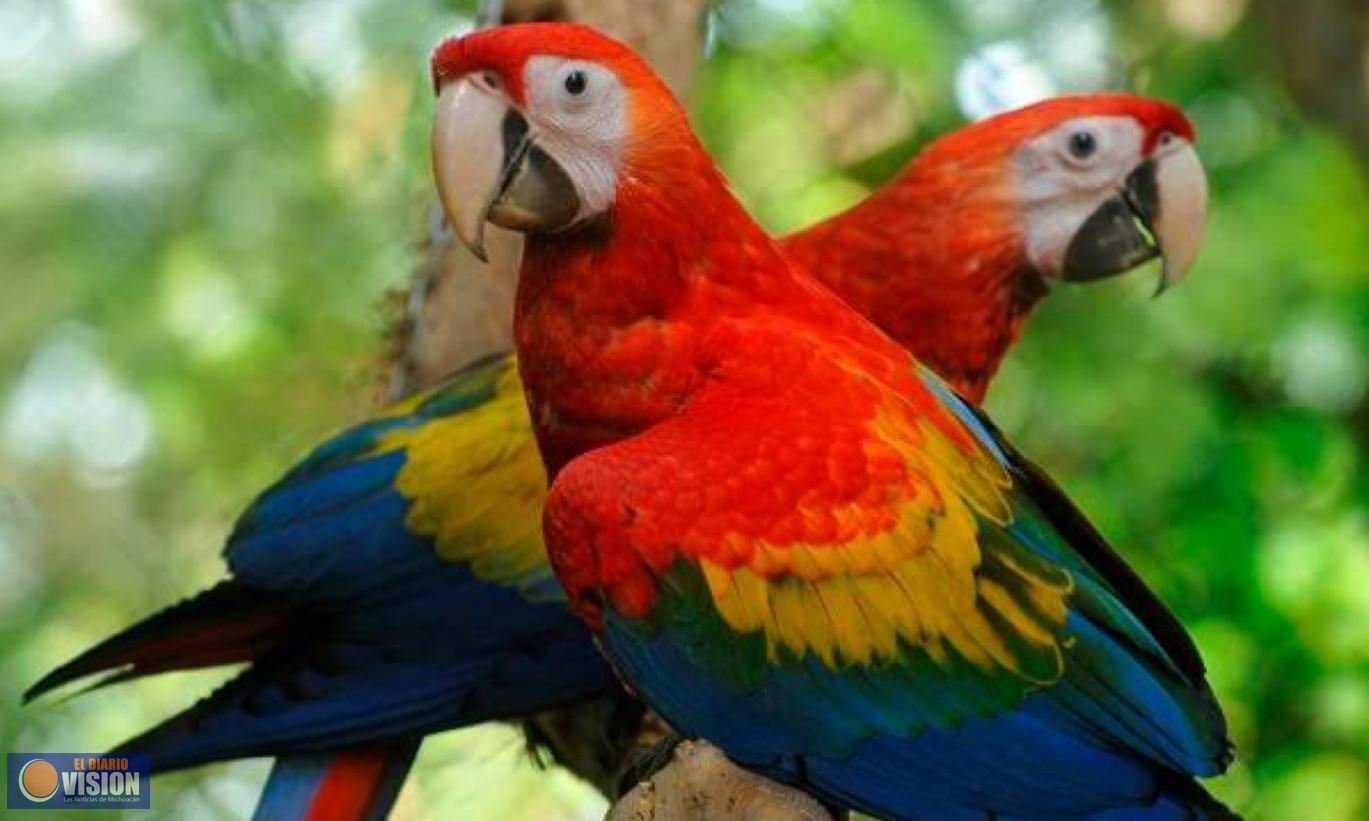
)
(1082, 144)
(576, 83)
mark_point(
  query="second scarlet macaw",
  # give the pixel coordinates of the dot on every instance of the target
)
(394, 583)
(790, 538)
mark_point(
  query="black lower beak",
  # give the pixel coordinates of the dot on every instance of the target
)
(1118, 236)
(534, 191)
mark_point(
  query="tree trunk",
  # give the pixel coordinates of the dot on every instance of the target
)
(457, 309)
(1322, 51)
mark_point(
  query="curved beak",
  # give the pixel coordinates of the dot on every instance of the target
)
(488, 168)
(1160, 212)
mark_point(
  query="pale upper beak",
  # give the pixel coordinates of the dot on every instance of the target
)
(1182, 216)
(488, 167)
(1161, 211)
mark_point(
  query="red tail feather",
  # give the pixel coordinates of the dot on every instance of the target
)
(225, 624)
(349, 788)
(359, 784)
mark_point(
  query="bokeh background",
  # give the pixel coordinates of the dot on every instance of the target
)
(202, 203)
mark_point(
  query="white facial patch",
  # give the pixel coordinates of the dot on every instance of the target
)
(1064, 175)
(577, 114)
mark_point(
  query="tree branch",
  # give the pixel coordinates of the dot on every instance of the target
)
(700, 784)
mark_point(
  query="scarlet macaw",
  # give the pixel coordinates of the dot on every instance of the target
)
(788, 537)
(424, 521)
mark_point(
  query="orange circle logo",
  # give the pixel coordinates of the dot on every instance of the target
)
(38, 780)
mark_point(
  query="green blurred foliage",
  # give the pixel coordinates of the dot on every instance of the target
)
(204, 201)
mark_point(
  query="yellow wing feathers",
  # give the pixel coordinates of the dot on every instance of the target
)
(477, 486)
(922, 582)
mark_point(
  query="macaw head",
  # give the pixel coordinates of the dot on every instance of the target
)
(536, 125)
(1096, 183)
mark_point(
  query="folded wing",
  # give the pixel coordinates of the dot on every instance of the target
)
(858, 585)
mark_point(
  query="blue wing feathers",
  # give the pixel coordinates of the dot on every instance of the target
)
(313, 496)
(1035, 762)
(361, 550)
(1021, 761)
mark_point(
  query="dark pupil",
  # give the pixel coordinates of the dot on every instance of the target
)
(1082, 144)
(576, 82)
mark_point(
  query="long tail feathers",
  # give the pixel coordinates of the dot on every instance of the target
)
(225, 624)
(360, 784)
